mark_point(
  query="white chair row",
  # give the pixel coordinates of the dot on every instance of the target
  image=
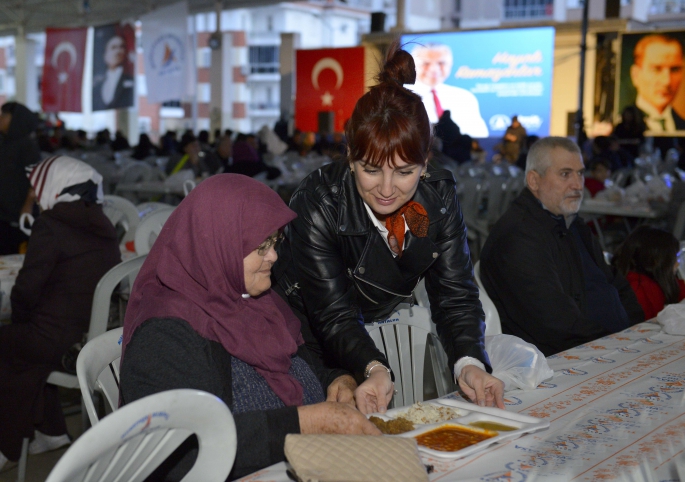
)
(99, 316)
(141, 224)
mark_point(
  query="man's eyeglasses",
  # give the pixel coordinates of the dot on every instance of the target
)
(272, 241)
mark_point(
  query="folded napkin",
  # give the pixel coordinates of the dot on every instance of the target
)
(354, 458)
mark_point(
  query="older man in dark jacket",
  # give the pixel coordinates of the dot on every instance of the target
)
(18, 149)
(542, 266)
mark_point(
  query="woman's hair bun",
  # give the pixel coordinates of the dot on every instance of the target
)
(399, 66)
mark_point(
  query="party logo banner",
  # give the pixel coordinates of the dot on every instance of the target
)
(169, 59)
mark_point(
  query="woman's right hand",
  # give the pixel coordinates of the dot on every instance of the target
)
(334, 417)
(375, 393)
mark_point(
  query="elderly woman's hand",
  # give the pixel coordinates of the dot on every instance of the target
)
(333, 417)
(481, 387)
(375, 393)
(342, 390)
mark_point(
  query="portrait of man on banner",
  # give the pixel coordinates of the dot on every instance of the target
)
(434, 63)
(113, 67)
(651, 79)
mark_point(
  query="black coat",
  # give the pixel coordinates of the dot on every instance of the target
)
(123, 93)
(71, 247)
(532, 270)
(346, 274)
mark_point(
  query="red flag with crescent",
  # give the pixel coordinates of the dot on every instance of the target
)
(65, 50)
(328, 80)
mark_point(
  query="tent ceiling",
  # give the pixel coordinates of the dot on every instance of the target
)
(37, 15)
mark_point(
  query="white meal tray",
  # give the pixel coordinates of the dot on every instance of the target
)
(469, 413)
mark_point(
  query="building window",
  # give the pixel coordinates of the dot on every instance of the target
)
(264, 60)
(663, 7)
(528, 9)
(204, 57)
(204, 92)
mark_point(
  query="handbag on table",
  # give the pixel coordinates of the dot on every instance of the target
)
(354, 458)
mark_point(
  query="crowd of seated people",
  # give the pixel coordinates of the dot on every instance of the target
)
(222, 306)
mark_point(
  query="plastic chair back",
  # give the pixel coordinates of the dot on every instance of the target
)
(133, 441)
(493, 325)
(97, 368)
(404, 338)
(149, 228)
(147, 207)
(136, 171)
(99, 313)
(121, 211)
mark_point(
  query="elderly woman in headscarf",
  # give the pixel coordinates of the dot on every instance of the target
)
(202, 315)
(72, 245)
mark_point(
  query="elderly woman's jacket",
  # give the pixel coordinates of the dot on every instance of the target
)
(337, 271)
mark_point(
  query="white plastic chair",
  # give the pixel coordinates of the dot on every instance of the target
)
(149, 228)
(136, 171)
(404, 338)
(493, 325)
(148, 207)
(99, 315)
(97, 368)
(120, 210)
(130, 443)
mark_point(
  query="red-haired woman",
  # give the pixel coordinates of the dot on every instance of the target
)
(368, 229)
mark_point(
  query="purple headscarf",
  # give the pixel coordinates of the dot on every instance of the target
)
(195, 272)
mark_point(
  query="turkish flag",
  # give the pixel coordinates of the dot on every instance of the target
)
(327, 80)
(65, 51)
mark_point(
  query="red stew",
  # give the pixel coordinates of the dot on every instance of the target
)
(452, 438)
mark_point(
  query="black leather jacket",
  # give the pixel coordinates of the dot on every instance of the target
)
(335, 267)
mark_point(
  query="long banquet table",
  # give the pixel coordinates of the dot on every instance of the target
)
(617, 412)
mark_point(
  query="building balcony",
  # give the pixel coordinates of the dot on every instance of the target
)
(666, 7)
(527, 10)
(264, 109)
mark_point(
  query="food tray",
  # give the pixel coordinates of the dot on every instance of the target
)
(395, 412)
(470, 413)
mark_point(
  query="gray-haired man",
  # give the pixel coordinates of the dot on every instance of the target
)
(542, 266)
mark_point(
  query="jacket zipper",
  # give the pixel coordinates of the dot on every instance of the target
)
(352, 277)
(349, 271)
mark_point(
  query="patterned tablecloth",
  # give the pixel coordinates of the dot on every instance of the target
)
(617, 412)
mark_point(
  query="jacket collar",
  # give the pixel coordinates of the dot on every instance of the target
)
(555, 224)
(353, 220)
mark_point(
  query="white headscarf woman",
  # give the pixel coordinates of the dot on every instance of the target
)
(62, 179)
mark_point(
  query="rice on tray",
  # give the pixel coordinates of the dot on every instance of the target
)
(427, 413)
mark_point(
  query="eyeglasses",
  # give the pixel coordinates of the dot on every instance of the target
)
(272, 241)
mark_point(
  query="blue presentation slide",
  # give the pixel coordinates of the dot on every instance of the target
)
(485, 77)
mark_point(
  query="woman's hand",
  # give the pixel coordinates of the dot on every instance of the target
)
(333, 417)
(375, 393)
(342, 390)
(481, 387)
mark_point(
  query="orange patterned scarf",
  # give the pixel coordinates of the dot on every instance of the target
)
(416, 218)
